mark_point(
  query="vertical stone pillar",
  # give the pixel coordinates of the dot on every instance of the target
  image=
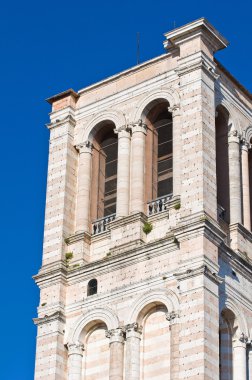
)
(123, 172)
(176, 147)
(245, 184)
(84, 187)
(137, 167)
(75, 355)
(240, 358)
(234, 177)
(250, 362)
(133, 337)
(116, 345)
(172, 317)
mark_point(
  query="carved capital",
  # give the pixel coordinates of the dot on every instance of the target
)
(133, 330)
(139, 126)
(75, 348)
(123, 131)
(85, 147)
(175, 110)
(171, 317)
(233, 133)
(245, 144)
(116, 335)
(243, 338)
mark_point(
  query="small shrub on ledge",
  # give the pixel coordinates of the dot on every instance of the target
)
(177, 206)
(147, 228)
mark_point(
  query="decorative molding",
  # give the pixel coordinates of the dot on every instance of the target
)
(133, 327)
(57, 316)
(59, 122)
(202, 270)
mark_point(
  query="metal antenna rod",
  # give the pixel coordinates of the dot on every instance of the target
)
(138, 48)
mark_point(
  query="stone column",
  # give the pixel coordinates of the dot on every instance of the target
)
(75, 354)
(133, 337)
(176, 147)
(123, 172)
(116, 345)
(234, 176)
(239, 358)
(250, 361)
(245, 184)
(172, 317)
(137, 167)
(84, 187)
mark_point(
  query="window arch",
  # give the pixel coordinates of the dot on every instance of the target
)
(104, 171)
(159, 168)
(222, 163)
(92, 287)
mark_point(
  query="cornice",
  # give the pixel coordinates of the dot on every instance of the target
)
(57, 316)
(202, 270)
(200, 223)
(59, 122)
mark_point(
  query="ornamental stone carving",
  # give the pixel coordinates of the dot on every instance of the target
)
(75, 348)
(85, 147)
(116, 335)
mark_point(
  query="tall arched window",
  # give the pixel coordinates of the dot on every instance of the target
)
(222, 165)
(159, 173)
(104, 171)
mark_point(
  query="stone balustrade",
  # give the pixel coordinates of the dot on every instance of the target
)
(101, 225)
(158, 205)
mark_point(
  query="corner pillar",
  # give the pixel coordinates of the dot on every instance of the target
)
(137, 167)
(75, 355)
(84, 187)
(133, 338)
(116, 345)
(234, 177)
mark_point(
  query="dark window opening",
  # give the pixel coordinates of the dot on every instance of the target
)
(92, 287)
(222, 164)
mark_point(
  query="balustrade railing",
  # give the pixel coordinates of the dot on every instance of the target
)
(158, 205)
(101, 225)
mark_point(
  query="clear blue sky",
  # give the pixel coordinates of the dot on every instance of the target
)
(48, 47)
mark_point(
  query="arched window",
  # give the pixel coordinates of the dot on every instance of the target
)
(104, 171)
(159, 173)
(222, 164)
(92, 287)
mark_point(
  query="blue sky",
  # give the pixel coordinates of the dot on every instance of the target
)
(48, 47)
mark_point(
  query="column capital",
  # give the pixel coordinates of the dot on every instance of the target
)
(116, 335)
(75, 348)
(245, 144)
(172, 316)
(139, 126)
(175, 110)
(123, 131)
(133, 330)
(234, 136)
(85, 147)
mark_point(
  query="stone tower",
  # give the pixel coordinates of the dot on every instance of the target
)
(147, 260)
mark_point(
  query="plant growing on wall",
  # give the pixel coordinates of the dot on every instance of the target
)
(147, 228)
